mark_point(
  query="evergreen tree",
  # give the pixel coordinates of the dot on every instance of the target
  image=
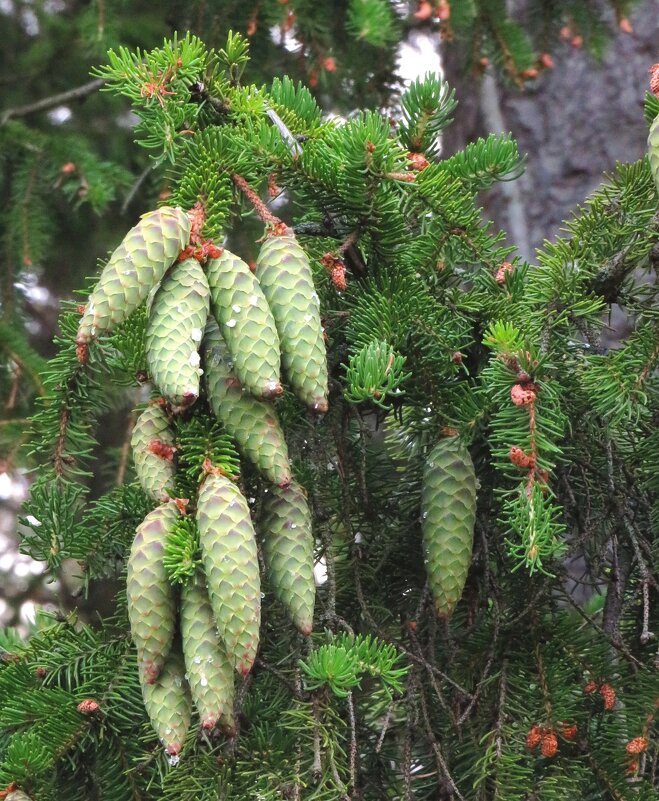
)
(439, 397)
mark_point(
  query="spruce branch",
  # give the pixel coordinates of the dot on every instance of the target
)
(45, 103)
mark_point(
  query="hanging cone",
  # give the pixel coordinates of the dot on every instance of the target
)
(210, 672)
(288, 552)
(448, 505)
(152, 442)
(134, 268)
(228, 548)
(150, 596)
(168, 703)
(252, 423)
(283, 270)
(247, 324)
(176, 325)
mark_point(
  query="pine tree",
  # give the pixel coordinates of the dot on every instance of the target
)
(435, 330)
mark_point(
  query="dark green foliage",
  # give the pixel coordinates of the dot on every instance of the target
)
(383, 700)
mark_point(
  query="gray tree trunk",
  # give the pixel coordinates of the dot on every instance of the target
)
(575, 123)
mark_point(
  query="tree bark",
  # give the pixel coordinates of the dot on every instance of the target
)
(575, 122)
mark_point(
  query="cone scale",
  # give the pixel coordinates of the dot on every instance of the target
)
(653, 150)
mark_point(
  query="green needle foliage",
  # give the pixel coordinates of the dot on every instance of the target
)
(555, 626)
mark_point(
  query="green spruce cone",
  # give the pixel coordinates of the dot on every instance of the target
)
(288, 552)
(168, 703)
(252, 423)
(210, 673)
(284, 272)
(448, 505)
(230, 558)
(151, 606)
(173, 334)
(152, 442)
(134, 268)
(653, 150)
(247, 324)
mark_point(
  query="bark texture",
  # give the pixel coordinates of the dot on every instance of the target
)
(575, 122)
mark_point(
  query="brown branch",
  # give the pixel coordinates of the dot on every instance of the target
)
(259, 206)
(54, 100)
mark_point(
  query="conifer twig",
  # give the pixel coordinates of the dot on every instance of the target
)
(53, 100)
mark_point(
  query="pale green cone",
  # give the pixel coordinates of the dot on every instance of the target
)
(229, 554)
(448, 511)
(247, 324)
(288, 552)
(17, 795)
(134, 268)
(151, 606)
(251, 422)
(154, 467)
(284, 272)
(653, 150)
(173, 334)
(209, 670)
(168, 703)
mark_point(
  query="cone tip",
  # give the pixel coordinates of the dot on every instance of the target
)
(320, 406)
(305, 628)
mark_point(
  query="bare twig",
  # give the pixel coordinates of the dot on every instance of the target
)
(54, 100)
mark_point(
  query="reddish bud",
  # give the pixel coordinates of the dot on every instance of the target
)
(530, 73)
(591, 687)
(273, 189)
(81, 308)
(313, 79)
(252, 26)
(577, 42)
(570, 731)
(443, 11)
(608, 696)
(633, 767)
(654, 79)
(484, 61)
(252, 265)
(417, 162)
(41, 672)
(329, 64)
(546, 61)
(425, 10)
(412, 625)
(88, 706)
(505, 268)
(534, 737)
(625, 25)
(549, 747)
(520, 459)
(164, 194)
(566, 33)
(82, 352)
(69, 167)
(182, 505)
(637, 746)
(457, 357)
(523, 395)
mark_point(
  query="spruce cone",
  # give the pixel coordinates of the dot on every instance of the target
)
(154, 465)
(228, 548)
(288, 552)
(134, 268)
(284, 273)
(150, 596)
(168, 703)
(252, 423)
(176, 325)
(448, 514)
(210, 672)
(247, 324)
